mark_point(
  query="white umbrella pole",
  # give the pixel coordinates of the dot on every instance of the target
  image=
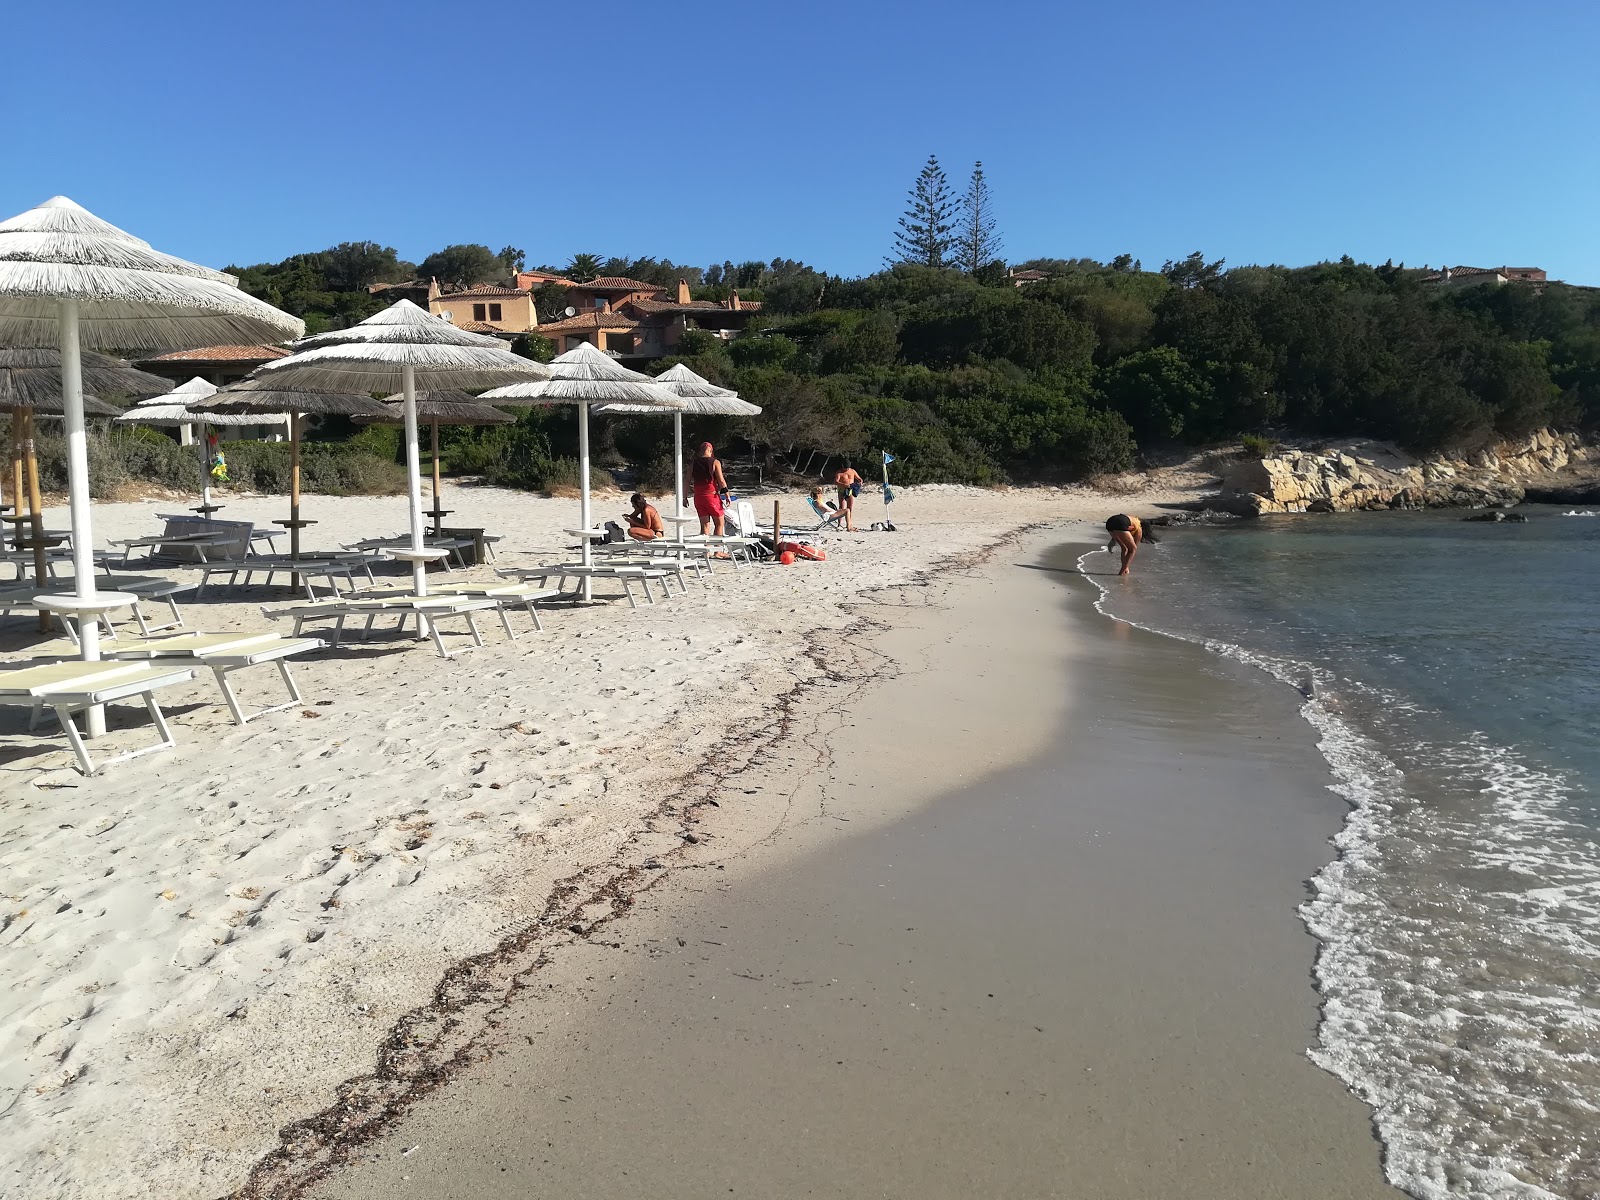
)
(78, 490)
(677, 467)
(419, 569)
(583, 496)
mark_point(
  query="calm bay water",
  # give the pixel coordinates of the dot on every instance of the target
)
(1452, 671)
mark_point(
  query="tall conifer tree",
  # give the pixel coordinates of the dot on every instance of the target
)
(926, 235)
(978, 244)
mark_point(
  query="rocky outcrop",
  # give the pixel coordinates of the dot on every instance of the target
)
(1367, 476)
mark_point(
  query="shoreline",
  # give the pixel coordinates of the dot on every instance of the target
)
(280, 895)
(908, 795)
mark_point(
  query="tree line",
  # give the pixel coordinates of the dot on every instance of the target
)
(947, 361)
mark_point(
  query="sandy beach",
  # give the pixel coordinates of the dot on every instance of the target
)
(201, 946)
(1013, 916)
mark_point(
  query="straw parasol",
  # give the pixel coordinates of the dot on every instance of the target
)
(700, 396)
(69, 278)
(395, 351)
(586, 376)
(251, 400)
(30, 384)
(175, 409)
(443, 408)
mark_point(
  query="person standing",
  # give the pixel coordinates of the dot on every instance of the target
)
(710, 490)
(848, 481)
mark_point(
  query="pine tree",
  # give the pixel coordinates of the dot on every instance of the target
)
(927, 232)
(977, 244)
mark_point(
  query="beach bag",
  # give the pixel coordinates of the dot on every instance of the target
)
(614, 532)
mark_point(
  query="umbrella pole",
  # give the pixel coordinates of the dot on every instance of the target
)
(583, 497)
(677, 467)
(205, 473)
(294, 485)
(78, 495)
(15, 475)
(419, 569)
(438, 517)
(35, 511)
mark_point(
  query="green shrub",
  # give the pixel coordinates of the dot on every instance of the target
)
(1256, 446)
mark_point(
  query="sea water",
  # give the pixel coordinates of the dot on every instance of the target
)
(1452, 672)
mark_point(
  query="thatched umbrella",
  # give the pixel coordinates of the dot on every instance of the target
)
(442, 408)
(700, 396)
(69, 278)
(30, 384)
(175, 409)
(252, 400)
(394, 351)
(583, 377)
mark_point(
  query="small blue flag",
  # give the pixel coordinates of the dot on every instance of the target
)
(887, 458)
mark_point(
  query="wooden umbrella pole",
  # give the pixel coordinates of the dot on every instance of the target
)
(438, 520)
(14, 476)
(41, 571)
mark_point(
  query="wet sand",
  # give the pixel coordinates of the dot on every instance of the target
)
(1018, 920)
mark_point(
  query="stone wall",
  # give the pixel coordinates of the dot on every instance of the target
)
(1374, 475)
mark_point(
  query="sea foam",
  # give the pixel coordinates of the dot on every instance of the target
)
(1459, 945)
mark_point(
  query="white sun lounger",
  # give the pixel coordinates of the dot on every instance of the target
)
(331, 567)
(626, 575)
(505, 595)
(71, 687)
(428, 610)
(224, 653)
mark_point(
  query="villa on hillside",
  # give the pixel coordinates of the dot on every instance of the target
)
(627, 318)
(1459, 277)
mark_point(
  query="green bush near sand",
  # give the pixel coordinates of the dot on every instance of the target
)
(120, 458)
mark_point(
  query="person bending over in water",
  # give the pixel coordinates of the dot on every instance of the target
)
(644, 522)
(1126, 532)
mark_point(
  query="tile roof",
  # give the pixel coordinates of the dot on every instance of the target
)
(672, 306)
(223, 354)
(482, 291)
(590, 320)
(616, 283)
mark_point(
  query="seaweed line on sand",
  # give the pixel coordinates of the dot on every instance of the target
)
(432, 1043)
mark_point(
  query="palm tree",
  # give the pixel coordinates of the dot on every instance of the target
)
(583, 267)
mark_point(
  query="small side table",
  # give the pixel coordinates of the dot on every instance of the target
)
(73, 608)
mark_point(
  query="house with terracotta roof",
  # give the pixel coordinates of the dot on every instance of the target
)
(487, 309)
(1460, 277)
(644, 322)
(215, 364)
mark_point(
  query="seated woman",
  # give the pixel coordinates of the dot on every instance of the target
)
(826, 509)
(644, 522)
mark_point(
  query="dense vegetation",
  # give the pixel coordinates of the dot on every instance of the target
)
(945, 362)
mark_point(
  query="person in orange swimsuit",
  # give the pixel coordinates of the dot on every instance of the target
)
(644, 522)
(1126, 532)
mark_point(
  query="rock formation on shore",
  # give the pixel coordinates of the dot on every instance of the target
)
(1367, 476)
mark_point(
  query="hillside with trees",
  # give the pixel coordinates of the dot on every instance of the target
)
(967, 373)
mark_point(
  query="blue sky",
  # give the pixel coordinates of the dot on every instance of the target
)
(1428, 132)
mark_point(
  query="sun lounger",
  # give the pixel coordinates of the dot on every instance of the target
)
(69, 688)
(223, 654)
(454, 546)
(428, 611)
(504, 595)
(328, 567)
(624, 574)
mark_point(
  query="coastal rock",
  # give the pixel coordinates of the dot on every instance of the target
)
(1365, 477)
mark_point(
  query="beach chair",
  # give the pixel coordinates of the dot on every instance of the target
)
(826, 519)
(506, 596)
(428, 611)
(223, 654)
(68, 688)
(625, 574)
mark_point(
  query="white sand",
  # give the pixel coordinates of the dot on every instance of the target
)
(199, 945)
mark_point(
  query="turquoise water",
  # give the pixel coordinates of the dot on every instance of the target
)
(1452, 671)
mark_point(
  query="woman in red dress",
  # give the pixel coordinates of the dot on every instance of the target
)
(710, 488)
